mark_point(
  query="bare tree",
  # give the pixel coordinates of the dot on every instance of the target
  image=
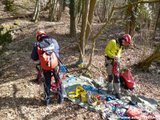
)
(55, 10)
(72, 18)
(52, 9)
(59, 9)
(64, 4)
(98, 33)
(85, 12)
(37, 10)
(131, 17)
(90, 17)
(157, 21)
(101, 9)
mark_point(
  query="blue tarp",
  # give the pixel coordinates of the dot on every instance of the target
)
(109, 106)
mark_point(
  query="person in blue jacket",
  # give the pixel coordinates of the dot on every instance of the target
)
(44, 39)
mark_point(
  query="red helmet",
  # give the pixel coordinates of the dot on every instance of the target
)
(127, 38)
(41, 32)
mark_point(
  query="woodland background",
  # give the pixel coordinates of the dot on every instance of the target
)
(82, 28)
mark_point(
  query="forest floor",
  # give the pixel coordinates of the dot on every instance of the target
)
(21, 98)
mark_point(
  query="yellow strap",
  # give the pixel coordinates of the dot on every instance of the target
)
(83, 96)
(79, 89)
(74, 94)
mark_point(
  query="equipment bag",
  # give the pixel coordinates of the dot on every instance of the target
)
(133, 112)
(127, 79)
(47, 56)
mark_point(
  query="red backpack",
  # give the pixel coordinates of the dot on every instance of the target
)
(128, 79)
(47, 57)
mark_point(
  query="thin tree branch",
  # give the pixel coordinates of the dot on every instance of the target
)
(100, 31)
(122, 7)
(107, 22)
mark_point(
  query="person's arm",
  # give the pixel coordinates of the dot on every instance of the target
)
(34, 54)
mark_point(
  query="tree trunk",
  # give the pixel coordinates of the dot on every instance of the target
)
(103, 7)
(90, 17)
(55, 11)
(36, 11)
(130, 17)
(85, 11)
(145, 64)
(59, 10)
(72, 18)
(64, 5)
(79, 11)
(52, 10)
(104, 10)
(156, 24)
(96, 36)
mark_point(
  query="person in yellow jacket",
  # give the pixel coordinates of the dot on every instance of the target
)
(113, 52)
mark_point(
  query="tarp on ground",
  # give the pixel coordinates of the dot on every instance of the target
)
(108, 105)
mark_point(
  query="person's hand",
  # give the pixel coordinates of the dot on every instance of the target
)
(116, 58)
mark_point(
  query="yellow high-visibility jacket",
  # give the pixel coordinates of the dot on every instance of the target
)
(113, 49)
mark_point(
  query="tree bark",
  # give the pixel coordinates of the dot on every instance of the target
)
(145, 64)
(156, 24)
(90, 17)
(59, 10)
(99, 32)
(131, 19)
(52, 10)
(85, 11)
(55, 11)
(79, 10)
(72, 18)
(36, 11)
(64, 5)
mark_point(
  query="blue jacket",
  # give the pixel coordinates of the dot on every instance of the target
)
(50, 40)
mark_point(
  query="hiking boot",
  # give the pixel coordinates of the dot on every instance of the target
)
(46, 102)
(118, 96)
(60, 98)
(109, 87)
(117, 88)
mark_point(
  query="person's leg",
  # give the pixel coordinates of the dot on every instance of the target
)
(39, 74)
(47, 85)
(108, 64)
(58, 84)
(110, 84)
(116, 85)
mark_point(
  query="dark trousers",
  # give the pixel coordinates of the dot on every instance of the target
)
(47, 82)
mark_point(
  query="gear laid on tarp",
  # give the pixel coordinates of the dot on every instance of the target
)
(83, 95)
(82, 91)
(79, 92)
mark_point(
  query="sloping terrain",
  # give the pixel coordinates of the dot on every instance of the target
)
(21, 98)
